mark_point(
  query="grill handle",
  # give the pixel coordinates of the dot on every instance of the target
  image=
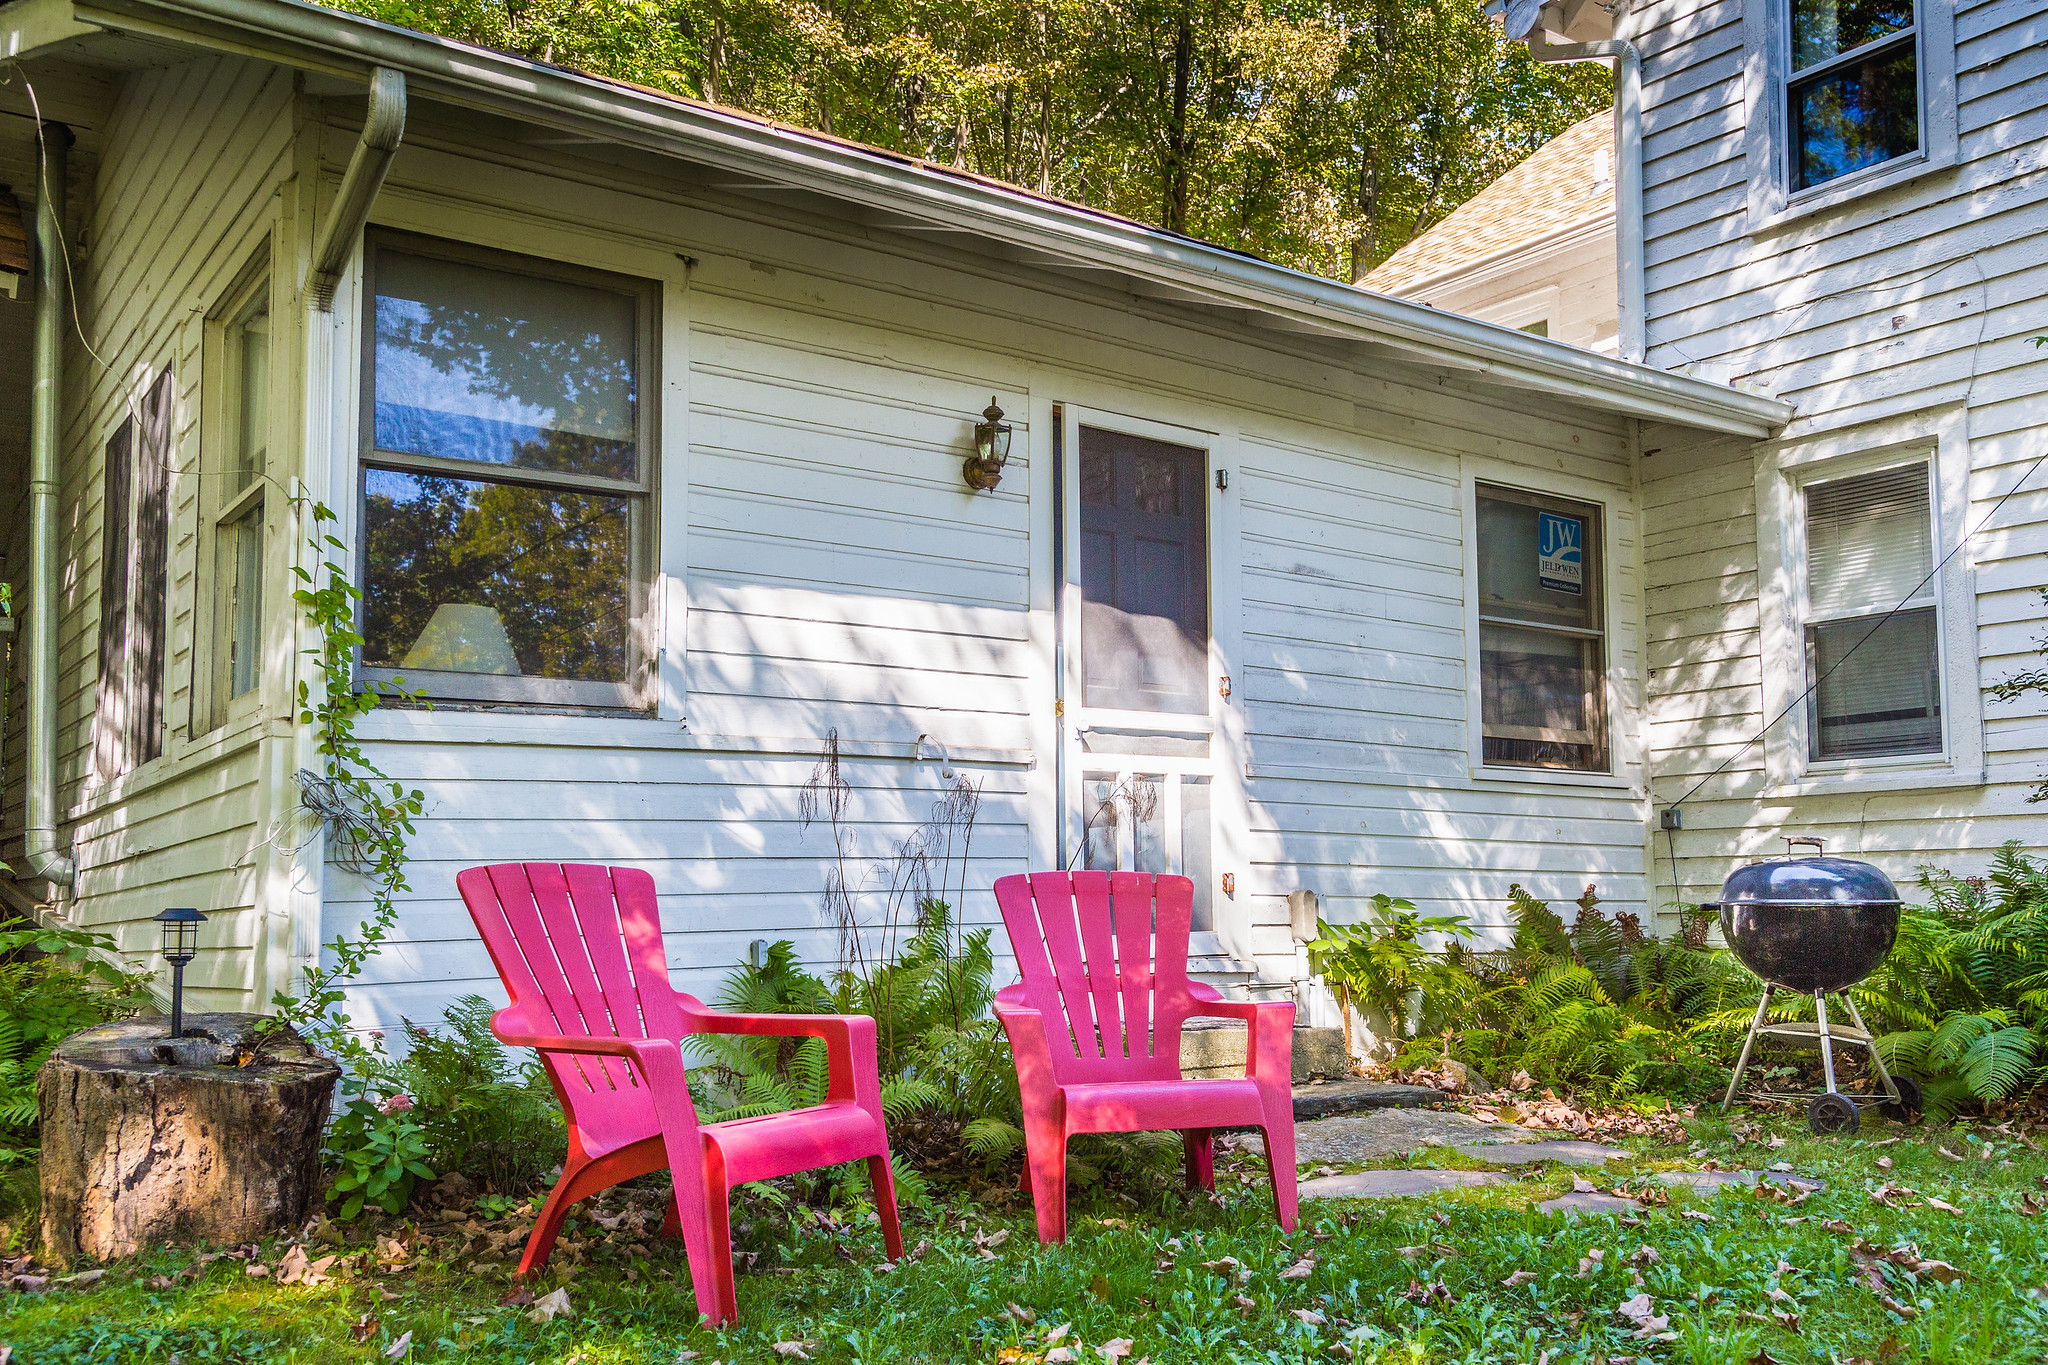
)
(1819, 849)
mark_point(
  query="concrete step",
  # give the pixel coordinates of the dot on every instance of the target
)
(1215, 1047)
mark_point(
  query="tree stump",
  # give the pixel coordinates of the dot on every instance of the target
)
(214, 1137)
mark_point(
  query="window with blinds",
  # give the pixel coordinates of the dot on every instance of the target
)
(1874, 689)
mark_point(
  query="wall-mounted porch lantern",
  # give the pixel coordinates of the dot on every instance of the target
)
(181, 945)
(983, 470)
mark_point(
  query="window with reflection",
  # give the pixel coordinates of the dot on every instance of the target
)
(1542, 632)
(1853, 97)
(505, 482)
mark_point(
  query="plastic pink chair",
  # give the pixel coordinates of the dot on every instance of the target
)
(579, 949)
(1095, 1030)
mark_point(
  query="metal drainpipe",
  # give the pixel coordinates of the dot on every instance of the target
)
(1628, 172)
(383, 128)
(41, 849)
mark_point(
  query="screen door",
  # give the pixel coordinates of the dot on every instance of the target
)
(1144, 721)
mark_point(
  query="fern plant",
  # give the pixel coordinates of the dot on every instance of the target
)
(1385, 965)
(53, 982)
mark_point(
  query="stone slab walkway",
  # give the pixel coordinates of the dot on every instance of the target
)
(1328, 1099)
(1568, 1153)
(1384, 1133)
(1705, 1182)
(1393, 1184)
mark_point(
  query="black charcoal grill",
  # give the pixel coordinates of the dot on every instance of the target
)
(1816, 925)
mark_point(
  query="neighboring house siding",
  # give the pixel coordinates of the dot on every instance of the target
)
(1909, 305)
(192, 157)
(1569, 285)
(839, 577)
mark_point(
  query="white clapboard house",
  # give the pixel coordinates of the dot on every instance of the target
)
(645, 423)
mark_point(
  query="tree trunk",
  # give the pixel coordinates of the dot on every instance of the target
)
(214, 1137)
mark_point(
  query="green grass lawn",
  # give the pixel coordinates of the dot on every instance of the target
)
(1408, 1280)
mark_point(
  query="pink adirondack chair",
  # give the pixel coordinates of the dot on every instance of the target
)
(579, 949)
(1095, 1030)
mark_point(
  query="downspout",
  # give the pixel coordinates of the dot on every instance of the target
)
(1628, 172)
(40, 846)
(383, 127)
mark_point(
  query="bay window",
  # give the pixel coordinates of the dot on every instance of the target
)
(1542, 632)
(506, 476)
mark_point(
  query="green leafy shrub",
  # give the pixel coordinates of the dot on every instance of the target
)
(378, 1154)
(53, 982)
(494, 1119)
(1384, 966)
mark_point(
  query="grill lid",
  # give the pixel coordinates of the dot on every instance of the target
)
(1810, 881)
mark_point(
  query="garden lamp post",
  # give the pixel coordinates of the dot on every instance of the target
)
(181, 945)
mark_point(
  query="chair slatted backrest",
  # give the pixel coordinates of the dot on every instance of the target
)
(1104, 956)
(579, 949)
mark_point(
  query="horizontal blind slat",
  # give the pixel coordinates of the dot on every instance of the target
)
(1868, 540)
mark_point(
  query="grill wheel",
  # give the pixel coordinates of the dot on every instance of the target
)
(1831, 1113)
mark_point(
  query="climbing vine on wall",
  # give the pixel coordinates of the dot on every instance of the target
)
(368, 816)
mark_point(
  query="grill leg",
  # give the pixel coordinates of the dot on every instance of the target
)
(1748, 1043)
(1884, 1078)
(1827, 1044)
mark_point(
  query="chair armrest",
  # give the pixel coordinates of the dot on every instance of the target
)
(853, 1063)
(1031, 1049)
(1269, 1033)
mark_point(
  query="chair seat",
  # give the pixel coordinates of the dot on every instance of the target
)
(798, 1140)
(1139, 1106)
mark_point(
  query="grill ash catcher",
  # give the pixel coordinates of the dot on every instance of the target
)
(1817, 926)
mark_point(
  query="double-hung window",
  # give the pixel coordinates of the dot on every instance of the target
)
(507, 476)
(1542, 632)
(1873, 672)
(1853, 86)
(1845, 97)
(238, 472)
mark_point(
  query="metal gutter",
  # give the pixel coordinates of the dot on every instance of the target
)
(40, 843)
(314, 38)
(383, 127)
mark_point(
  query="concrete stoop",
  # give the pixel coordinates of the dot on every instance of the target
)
(1215, 1047)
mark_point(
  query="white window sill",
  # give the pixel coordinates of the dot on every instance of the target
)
(1870, 781)
(1553, 777)
(1847, 189)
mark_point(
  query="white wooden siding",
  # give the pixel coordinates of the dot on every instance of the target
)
(1908, 300)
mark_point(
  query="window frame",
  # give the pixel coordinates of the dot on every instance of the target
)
(1784, 471)
(637, 693)
(214, 704)
(1595, 583)
(1767, 135)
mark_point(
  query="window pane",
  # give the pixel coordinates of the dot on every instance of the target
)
(1827, 28)
(1882, 698)
(486, 365)
(250, 338)
(245, 542)
(1144, 574)
(1869, 541)
(473, 577)
(1539, 564)
(1542, 698)
(1856, 117)
(1540, 327)
(1196, 864)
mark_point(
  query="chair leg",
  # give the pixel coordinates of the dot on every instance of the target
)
(884, 1181)
(1045, 1162)
(671, 1226)
(540, 1243)
(1199, 1146)
(1280, 1163)
(718, 1217)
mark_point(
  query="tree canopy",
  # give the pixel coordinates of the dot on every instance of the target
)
(1321, 136)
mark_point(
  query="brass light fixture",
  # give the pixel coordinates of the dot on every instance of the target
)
(983, 470)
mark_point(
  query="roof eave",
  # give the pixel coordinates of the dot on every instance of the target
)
(332, 41)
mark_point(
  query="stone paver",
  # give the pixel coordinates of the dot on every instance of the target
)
(1590, 1202)
(1393, 1184)
(1705, 1181)
(1384, 1133)
(1522, 1153)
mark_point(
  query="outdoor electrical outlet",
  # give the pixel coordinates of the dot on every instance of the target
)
(1670, 818)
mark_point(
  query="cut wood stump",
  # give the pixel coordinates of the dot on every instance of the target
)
(214, 1137)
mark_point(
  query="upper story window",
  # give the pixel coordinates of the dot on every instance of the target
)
(235, 456)
(506, 476)
(1844, 98)
(1853, 97)
(1542, 632)
(1870, 546)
